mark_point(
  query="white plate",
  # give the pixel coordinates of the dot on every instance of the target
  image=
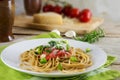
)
(10, 56)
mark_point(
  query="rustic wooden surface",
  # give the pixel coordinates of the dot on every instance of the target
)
(110, 43)
(68, 24)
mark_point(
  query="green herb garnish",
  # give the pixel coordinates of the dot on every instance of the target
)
(53, 43)
(60, 44)
(60, 66)
(39, 49)
(43, 60)
(59, 47)
(46, 46)
(48, 51)
(67, 47)
(87, 50)
(92, 36)
(73, 59)
(64, 41)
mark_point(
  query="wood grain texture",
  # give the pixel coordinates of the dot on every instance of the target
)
(68, 24)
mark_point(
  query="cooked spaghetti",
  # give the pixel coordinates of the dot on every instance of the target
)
(56, 56)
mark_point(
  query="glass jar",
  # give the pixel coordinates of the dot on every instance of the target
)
(7, 9)
(32, 6)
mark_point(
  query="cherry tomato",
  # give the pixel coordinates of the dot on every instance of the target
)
(66, 10)
(57, 9)
(47, 8)
(74, 12)
(85, 15)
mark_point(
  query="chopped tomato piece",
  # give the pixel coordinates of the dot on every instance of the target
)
(68, 54)
(51, 55)
(60, 53)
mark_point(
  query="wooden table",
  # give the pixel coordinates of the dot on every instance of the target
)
(110, 43)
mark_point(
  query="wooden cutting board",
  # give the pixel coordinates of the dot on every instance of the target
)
(68, 24)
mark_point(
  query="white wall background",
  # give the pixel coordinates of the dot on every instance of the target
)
(109, 9)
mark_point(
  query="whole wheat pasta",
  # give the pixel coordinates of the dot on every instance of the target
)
(76, 61)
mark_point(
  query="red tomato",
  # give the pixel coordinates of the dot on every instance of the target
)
(68, 54)
(47, 8)
(71, 50)
(44, 52)
(57, 9)
(85, 15)
(48, 57)
(51, 55)
(53, 49)
(66, 10)
(74, 12)
(60, 53)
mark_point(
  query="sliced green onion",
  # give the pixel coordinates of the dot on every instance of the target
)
(87, 50)
(60, 66)
(73, 59)
(43, 60)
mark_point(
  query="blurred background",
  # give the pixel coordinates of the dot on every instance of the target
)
(109, 9)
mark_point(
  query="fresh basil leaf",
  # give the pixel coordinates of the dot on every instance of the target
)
(52, 43)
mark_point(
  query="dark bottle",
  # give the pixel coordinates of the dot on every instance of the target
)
(32, 6)
(7, 9)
